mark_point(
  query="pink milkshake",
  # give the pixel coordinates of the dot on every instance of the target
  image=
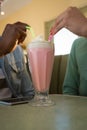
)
(41, 58)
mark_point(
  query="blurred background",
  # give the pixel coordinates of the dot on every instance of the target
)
(40, 14)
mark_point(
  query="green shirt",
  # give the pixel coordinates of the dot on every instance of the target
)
(75, 82)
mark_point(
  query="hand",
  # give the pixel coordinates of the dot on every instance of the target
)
(13, 34)
(73, 20)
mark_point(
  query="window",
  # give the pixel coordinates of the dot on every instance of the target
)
(63, 41)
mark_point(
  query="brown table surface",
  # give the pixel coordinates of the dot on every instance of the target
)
(68, 113)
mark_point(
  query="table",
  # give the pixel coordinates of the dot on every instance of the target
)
(68, 113)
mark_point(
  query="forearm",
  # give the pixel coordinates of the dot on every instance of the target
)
(2, 46)
(6, 46)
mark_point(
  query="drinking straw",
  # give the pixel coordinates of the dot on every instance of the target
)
(31, 30)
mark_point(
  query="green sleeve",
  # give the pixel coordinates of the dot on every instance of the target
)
(71, 81)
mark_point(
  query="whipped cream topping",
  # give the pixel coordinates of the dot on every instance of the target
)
(39, 39)
(39, 42)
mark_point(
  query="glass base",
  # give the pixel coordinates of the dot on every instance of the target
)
(41, 99)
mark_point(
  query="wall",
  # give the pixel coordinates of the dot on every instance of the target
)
(79, 3)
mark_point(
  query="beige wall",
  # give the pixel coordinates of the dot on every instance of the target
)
(36, 14)
(79, 3)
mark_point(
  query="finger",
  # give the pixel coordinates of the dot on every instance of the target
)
(22, 35)
(21, 25)
(55, 27)
(58, 28)
(21, 39)
(58, 22)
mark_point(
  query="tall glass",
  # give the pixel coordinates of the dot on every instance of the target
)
(41, 58)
